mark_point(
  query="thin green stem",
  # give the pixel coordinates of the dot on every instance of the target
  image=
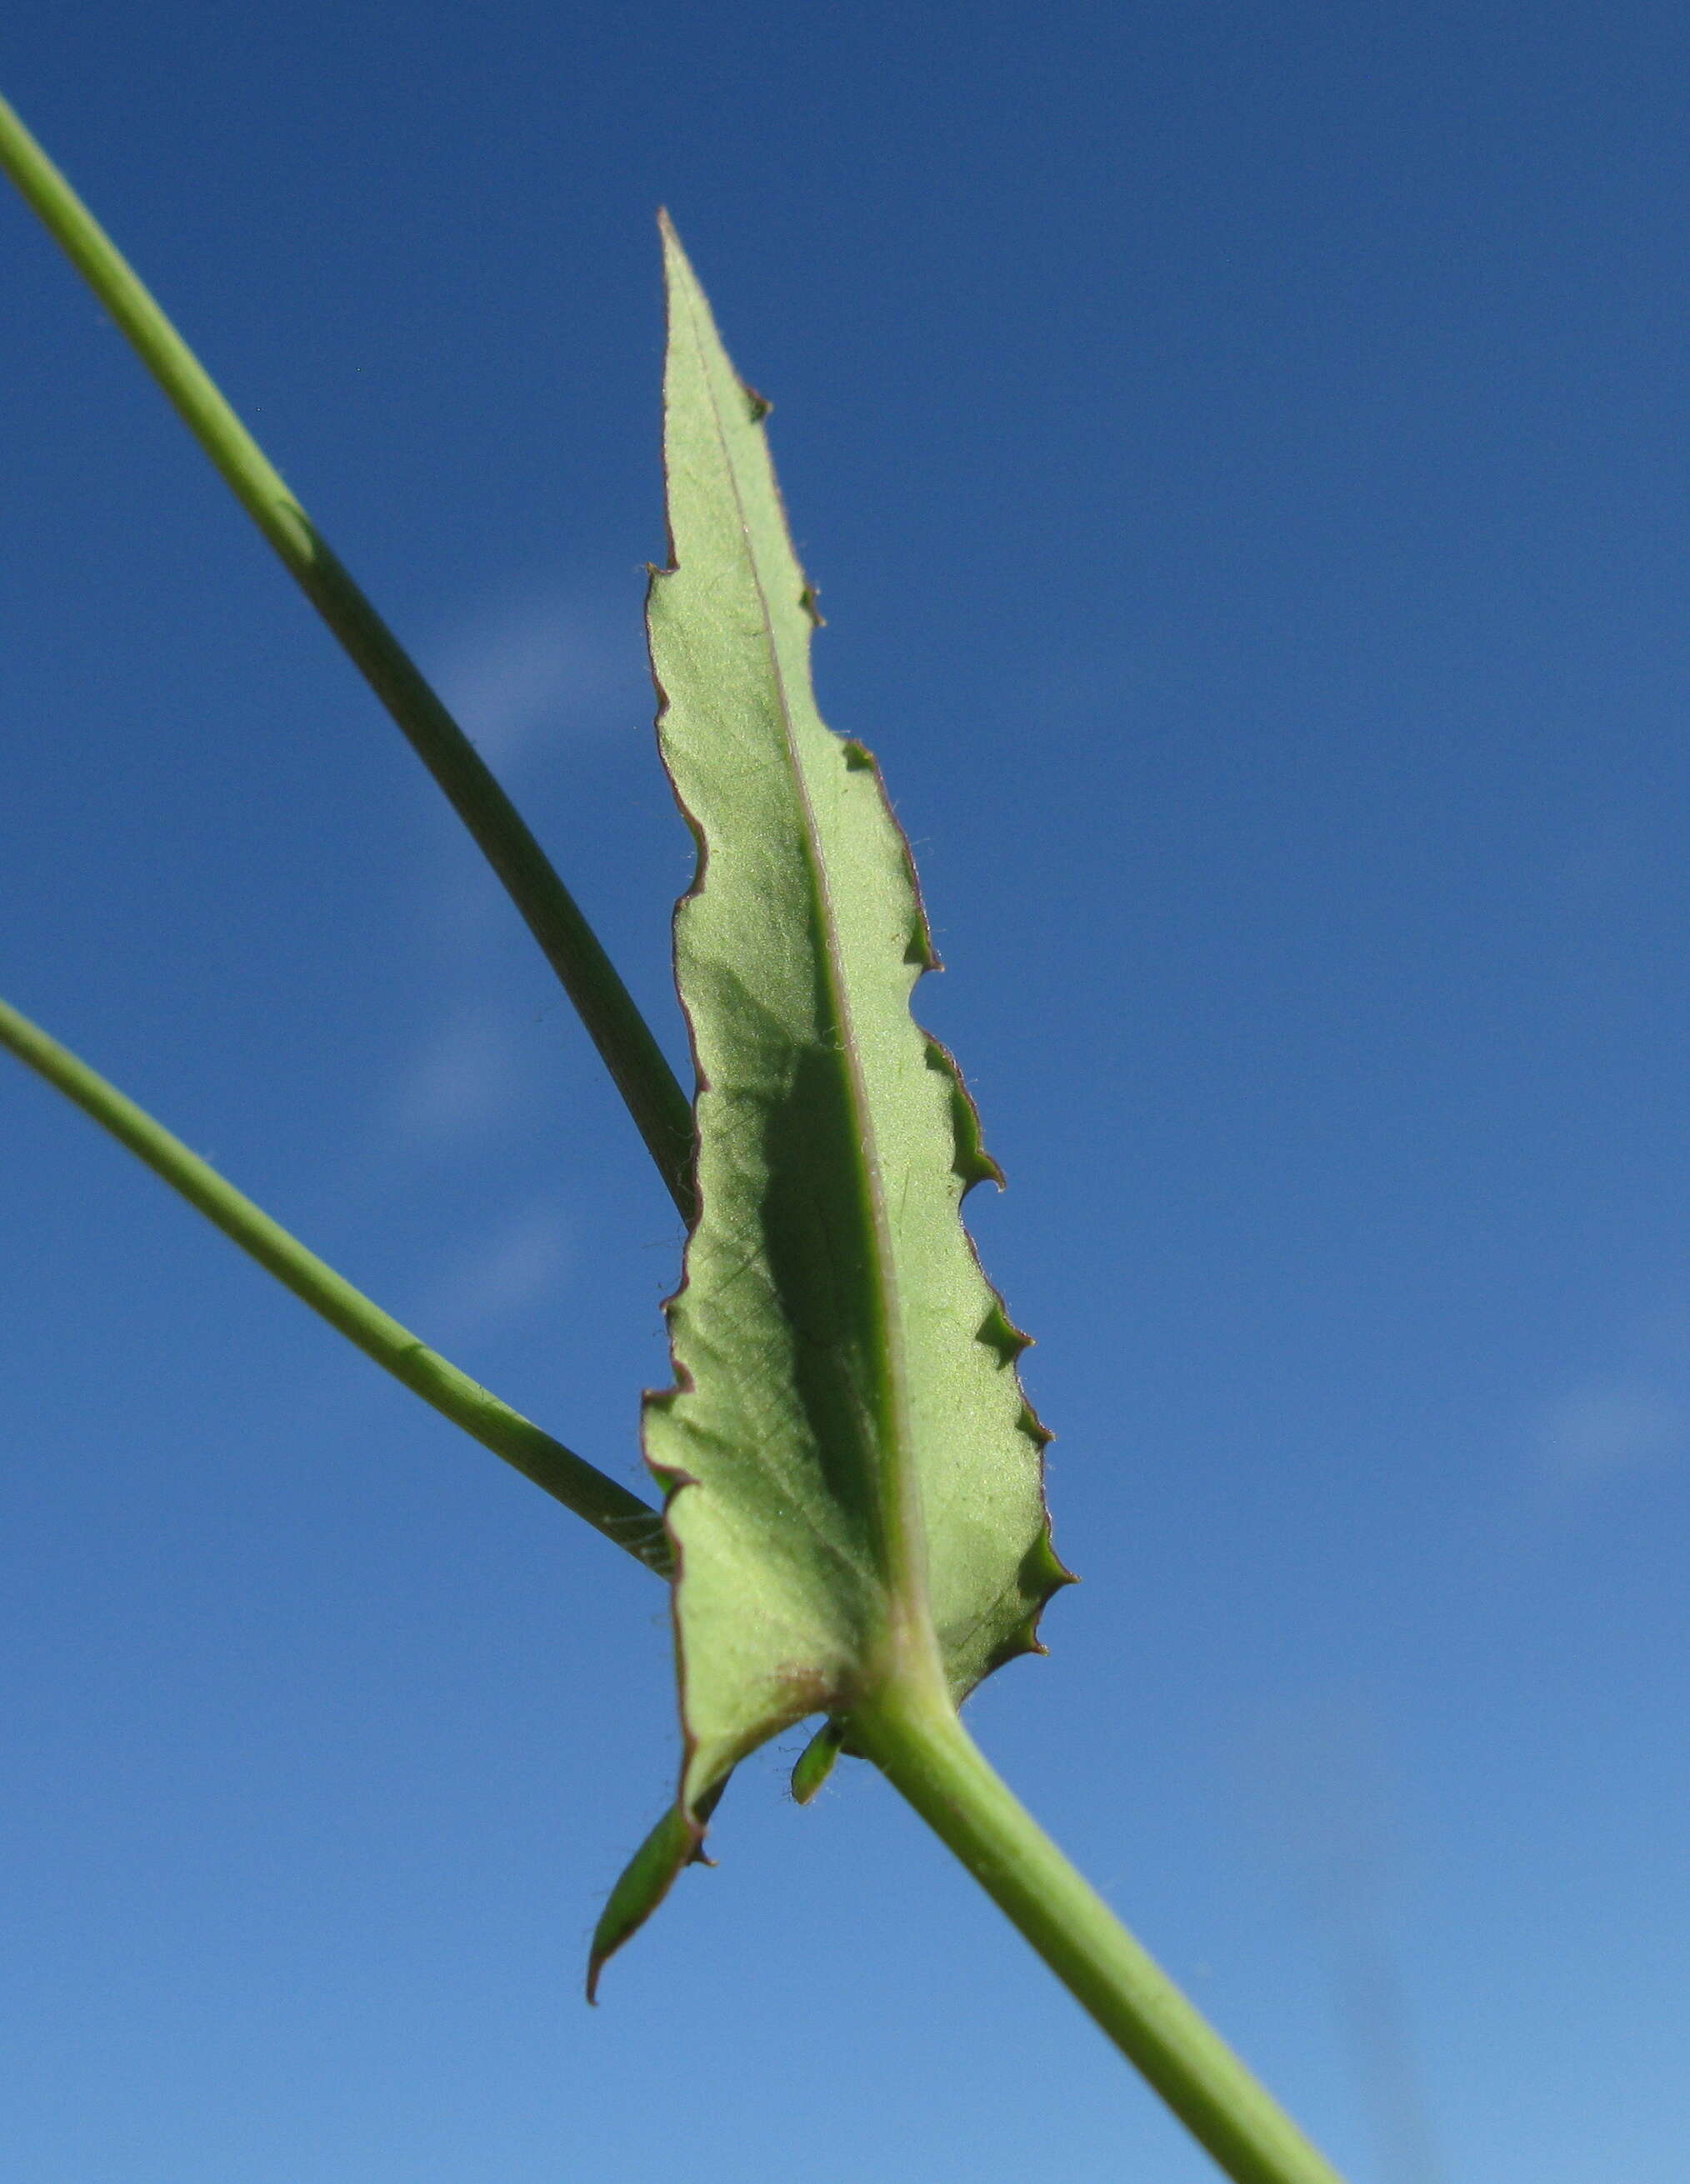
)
(919, 1744)
(660, 1108)
(622, 1517)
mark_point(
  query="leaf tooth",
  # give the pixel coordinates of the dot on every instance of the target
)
(1000, 1333)
(971, 1161)
(1034, 1427)
(919, 948)
(1025, 1640)
(1043, 1575)
(1046, 1571)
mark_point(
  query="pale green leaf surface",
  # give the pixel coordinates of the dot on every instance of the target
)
(848, 1445)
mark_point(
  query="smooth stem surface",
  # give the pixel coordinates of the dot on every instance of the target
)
(922, 1748)
(660, 1108)
(621, 1516)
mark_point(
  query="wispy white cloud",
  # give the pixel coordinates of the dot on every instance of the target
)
(503, 1274)
(1607, 1429)
(542, 657)
(1633, 1418)
(534, 670)
(465, 1078)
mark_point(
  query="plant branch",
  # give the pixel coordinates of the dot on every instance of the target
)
(609, 1508)
(919, 1744)
(660, 1108)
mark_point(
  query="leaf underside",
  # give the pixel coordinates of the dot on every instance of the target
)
(847, 1450)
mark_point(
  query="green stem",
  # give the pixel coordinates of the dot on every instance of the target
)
(660, 1108)
(622, 1517)
(922, 1748)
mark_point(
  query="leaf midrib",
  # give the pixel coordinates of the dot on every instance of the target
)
(899, 1522)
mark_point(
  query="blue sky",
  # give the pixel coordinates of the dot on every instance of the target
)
(1242, 455)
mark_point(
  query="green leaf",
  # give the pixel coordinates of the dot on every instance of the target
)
(646, 1879)
(815, 1761)
(855, 1476)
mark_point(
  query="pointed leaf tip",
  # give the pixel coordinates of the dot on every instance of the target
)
(673, 1844)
